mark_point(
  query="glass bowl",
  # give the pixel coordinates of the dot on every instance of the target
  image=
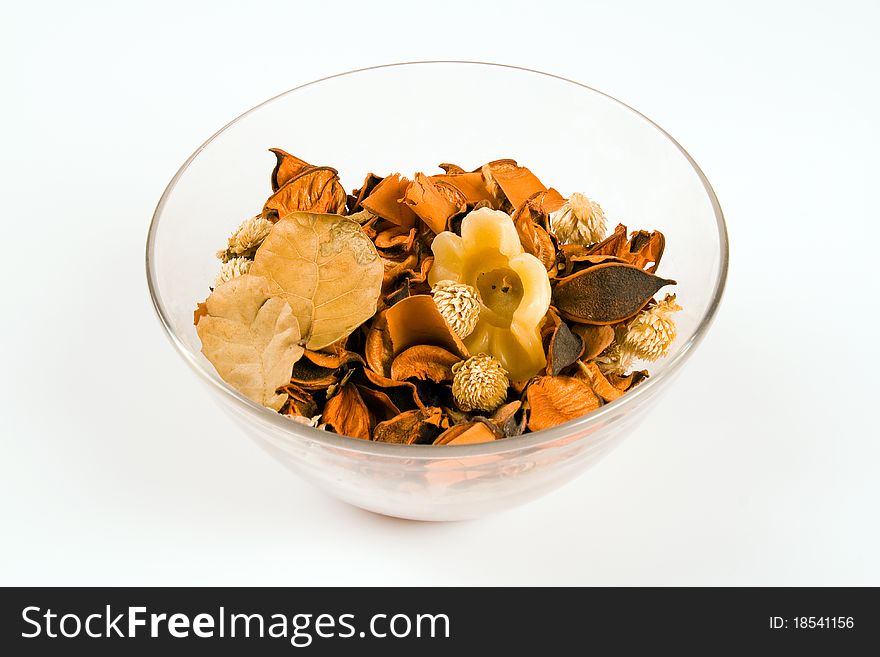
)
(409, 117)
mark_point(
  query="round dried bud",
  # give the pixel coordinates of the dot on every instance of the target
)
(459, 304)
(247, 238)
(579, 221)
(649, 334)
(480, 383)
(232, 268)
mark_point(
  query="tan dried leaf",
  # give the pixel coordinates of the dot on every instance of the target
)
(557, 399)
(326, 268)
(251, 338)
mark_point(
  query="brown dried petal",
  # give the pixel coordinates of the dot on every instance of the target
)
(347, 413)
(309, 376)
(432, 206)
(645, 248)
(590, 373)
(611, 245)
(416, 320)
(596, 339)
(364, 191)
(517, 183)
(557, 399)
(379, 404)
(402, 393)
(418, 427)
(629, 381)
(451, 168)
(478, 431)
(315, 189)
(287, 167)
(510, 418)
(471, 185)
(565, 348)
(385, 201)
(200, 311)
(606, 294)
(424, 362)
(395, 237)
(378, 350)
(333, 360)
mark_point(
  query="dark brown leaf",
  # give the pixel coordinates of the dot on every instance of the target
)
(606, 294)
(565, 348)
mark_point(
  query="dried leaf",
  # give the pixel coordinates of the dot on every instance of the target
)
(377, 349)
(596, 339)
(309, 376)
(326, 268)
(606, 294)
(645, 248)
(402, 393)
(299, 402)
(430, 203)
(565, 348)
(418, 427)
(611, 245)
(471, 185)
(591, 373)
(517, 183)
(358, 195)
(395, 237)
(386, 201)
(314, 189)
(478, 431)
(417, 321)
(200, 311)
(557, 399)
(347, 414)
(333, 360)
(380, 405)
(251, 338)
(287, 167)
(510, 419)
(424, 362)
(451, 168)
(631, 380)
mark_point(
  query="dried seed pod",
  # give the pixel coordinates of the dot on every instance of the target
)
(480, 383)
(287, 167)
(565, 348)
(385, 201)
(606, 294)
(596, 339)
(459, 304)
(580, 220)
(418, 427)
(557, 399)
(471, 433)
(424, 362)
(416, 320)
(312, 189)
(347, 414)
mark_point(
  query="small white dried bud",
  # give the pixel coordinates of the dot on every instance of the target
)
(247, 238)
(579, 221)
(308, 421)
(479, 383)
(649, 334)
(459, 304)
(232, 268)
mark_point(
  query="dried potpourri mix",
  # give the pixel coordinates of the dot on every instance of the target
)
(454, 308)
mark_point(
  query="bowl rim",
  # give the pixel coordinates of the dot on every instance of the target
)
(430, 452)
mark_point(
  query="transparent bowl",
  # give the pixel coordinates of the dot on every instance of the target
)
(409, 117)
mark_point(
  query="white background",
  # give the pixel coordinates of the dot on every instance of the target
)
(760, 465)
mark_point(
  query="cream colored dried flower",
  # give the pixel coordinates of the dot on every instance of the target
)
(579, 221)
(480, 383)
(308, 421)
(459, 304)
(649, 334)
(246, 239)
(232, 268)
